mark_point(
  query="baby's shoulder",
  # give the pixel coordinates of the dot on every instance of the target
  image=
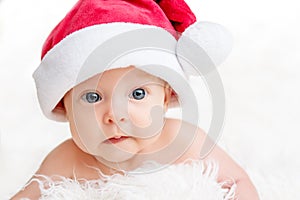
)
(174, 125)
(62, 160)
(67, 150)
(189, 134)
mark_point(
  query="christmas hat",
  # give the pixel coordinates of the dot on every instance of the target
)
(97, 35)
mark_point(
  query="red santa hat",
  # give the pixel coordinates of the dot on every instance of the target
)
(97, 35)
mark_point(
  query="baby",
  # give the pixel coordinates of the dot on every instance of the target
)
(112, 70)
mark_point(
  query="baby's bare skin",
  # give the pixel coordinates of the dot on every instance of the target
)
(69, 161)
(83, 156)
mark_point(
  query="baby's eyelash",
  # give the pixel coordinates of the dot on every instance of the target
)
(91, 97)
(138, 93)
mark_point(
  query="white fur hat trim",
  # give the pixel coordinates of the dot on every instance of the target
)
(63, 67)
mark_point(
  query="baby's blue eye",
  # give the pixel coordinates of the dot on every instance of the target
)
(138, 94)
(91, 97)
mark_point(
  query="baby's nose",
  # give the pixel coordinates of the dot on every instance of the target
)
(110, 118)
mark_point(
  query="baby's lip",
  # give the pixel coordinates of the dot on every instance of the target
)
(116, 139)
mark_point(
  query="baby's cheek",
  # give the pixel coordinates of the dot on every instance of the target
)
(77, 139)
(86, 128)
(140, 117)
(147, 117)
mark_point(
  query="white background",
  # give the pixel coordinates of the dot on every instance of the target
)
(261, 79)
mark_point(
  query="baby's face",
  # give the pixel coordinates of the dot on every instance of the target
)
(117, 114)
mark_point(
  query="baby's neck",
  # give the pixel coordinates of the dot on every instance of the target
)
(110, 168)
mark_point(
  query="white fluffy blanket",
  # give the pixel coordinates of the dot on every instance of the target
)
(195, 180)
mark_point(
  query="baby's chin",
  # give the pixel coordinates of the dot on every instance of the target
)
(116, 153)
(116, 156)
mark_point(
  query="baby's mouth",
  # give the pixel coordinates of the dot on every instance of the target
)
(116, 139)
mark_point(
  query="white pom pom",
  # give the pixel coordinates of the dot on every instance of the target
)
(204, 45)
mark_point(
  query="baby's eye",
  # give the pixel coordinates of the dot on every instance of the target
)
(91, 97)
(138, 94)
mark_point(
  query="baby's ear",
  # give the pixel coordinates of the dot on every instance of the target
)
(63, 106)
(168, 94)
(60, 105)
(60, 108)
